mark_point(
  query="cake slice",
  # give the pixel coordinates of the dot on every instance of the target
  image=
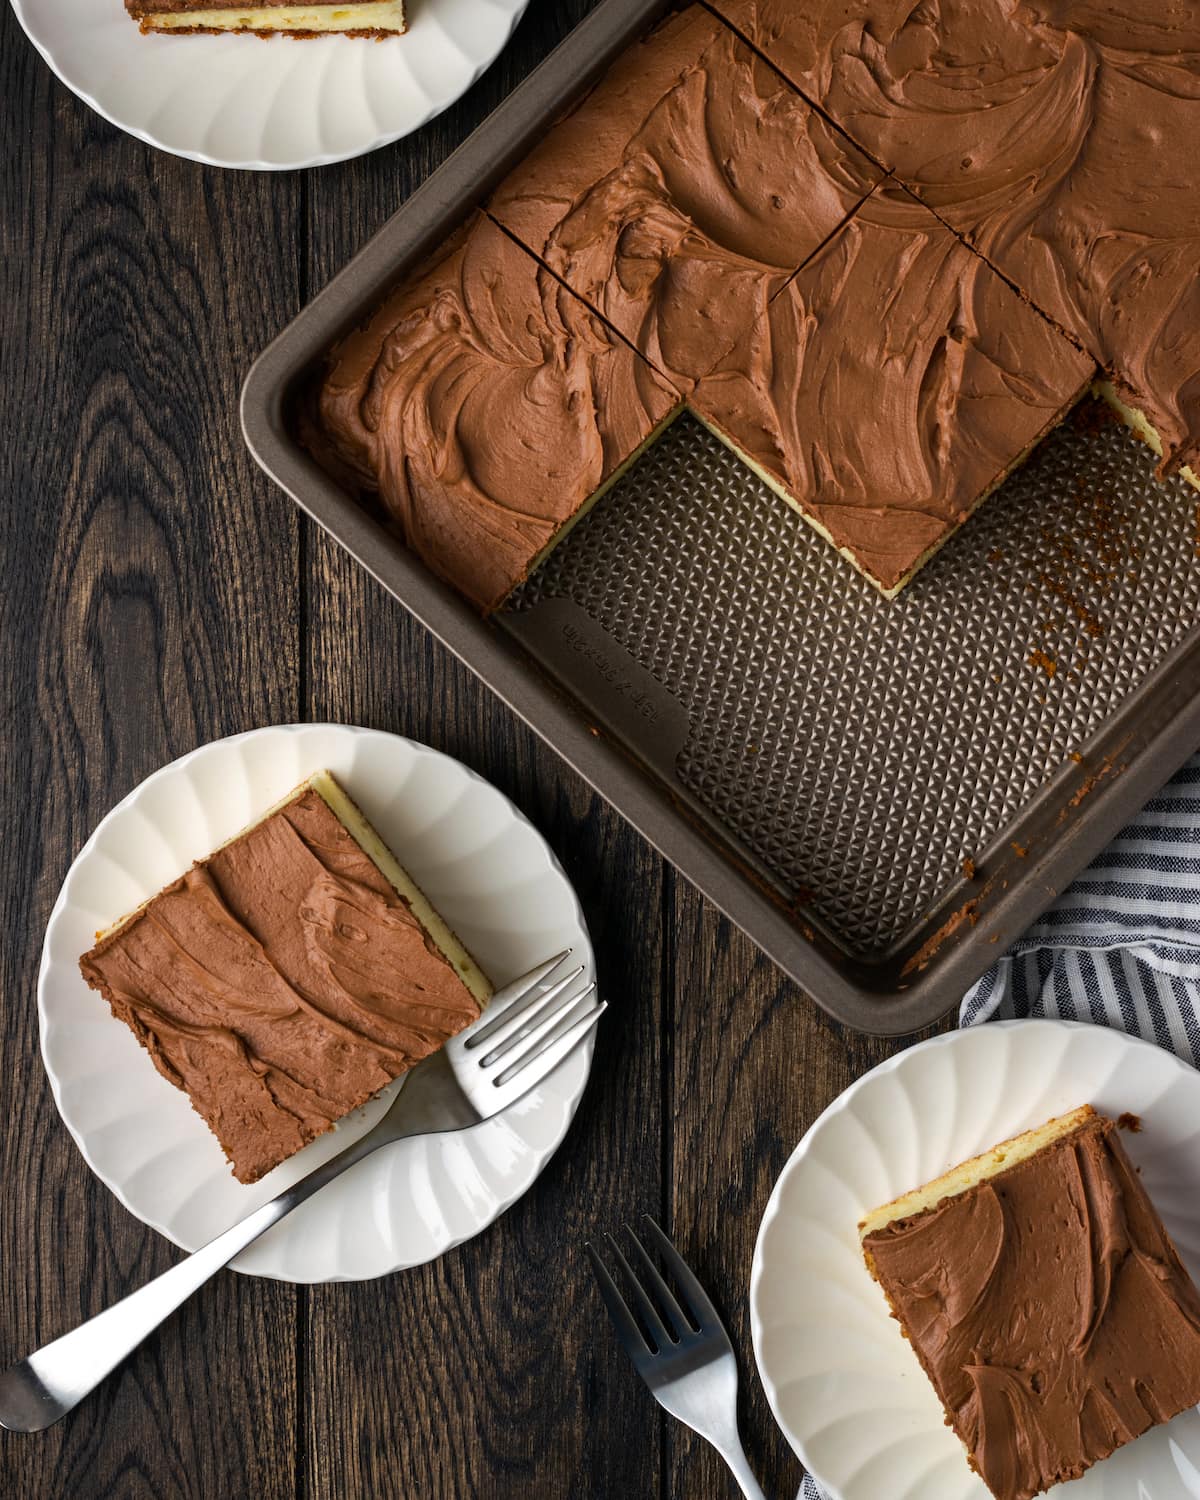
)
(268, 18)
(286, 978)
(1027, 128)
(682, 191)
(1044, 1300)
(891, 386)
(488, 409)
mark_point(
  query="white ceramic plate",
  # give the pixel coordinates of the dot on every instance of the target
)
(485, 868)
(236, 101)
(844, 1385)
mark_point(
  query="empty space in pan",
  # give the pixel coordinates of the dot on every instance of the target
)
(858, 749)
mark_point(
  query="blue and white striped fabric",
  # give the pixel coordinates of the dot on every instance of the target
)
(1120, 947)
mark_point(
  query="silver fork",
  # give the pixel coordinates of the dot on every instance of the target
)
(529, 1027)
(690, 1367)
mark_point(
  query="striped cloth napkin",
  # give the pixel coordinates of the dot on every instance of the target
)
(1120, 947)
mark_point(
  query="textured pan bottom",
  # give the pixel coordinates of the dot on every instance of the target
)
(860, 749)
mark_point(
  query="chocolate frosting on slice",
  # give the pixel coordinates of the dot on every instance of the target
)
(1051, 133)
(1050, 1310)
(485, 404)
(682, 192)
(893, 382)
(281, 983)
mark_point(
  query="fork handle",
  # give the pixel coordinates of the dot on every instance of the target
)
(39, 1390)
(740, 1468)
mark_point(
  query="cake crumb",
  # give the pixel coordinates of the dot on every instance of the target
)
(1020, 850)
(968, 867)
(1075, 756)
(1039, 658)
(1129, 1121)
(1093, 415)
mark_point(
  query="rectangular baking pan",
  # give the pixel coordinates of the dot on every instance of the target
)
(882, 795)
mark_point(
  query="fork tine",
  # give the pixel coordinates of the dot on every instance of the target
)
(516, 1004)
(517, 989)
(650, 1316)
(522, 1017)
(664, 1294)
(703, 1313)
(552, 1045)
(618, 1309)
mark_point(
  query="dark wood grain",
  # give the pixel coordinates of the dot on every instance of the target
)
(157, 593)
(149, 603)
(752, 1064)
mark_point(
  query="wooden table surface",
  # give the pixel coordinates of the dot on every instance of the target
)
(158, 592)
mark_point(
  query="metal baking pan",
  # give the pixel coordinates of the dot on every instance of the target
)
(882, 795)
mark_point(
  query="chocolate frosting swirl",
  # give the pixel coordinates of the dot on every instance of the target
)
(893, 382)
(683, 191)
(485, 404)
(281, 983)
(1050, 1310)
(1054, 135)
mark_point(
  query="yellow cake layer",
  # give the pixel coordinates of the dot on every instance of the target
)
(597, 495)
(1141, 424)
(969, 1174)
(446, 941)
(388, 15)
(889, 593)
(356, 825)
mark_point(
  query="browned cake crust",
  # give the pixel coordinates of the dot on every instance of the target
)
(281, 983)
(1048, 1308)
(264, 36)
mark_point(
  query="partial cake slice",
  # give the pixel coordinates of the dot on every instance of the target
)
(267, 18)
(891, 386)
(1028, 129)
(287, 977)
(682, 191)
(487, 407)
(1045, 1301)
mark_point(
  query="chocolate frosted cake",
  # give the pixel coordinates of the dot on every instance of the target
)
(695, 230)
(678, 197)
(891, 386)
(267, 18)
(285, 979)
(1045, 1301)
(487, 407)
(1058, 136)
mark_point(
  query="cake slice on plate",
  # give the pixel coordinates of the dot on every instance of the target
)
(286, 978)
(268, 18)
(1045, 1300)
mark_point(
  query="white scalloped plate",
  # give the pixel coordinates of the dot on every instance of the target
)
(236, 101)
(485, 868)
(843, 1383)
